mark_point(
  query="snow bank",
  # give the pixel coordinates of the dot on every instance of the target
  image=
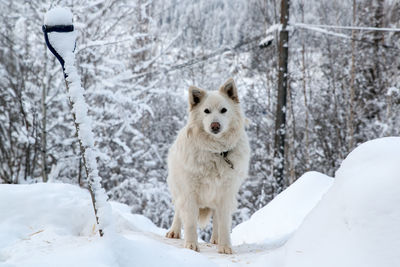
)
(357, 221)
(51, 225)
(277, 221)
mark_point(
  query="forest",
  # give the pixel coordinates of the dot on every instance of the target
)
(137, 60)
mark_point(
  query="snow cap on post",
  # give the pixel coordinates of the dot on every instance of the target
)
(58, 16)
(59, 32)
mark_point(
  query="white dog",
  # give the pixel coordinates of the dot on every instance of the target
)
(207, 164)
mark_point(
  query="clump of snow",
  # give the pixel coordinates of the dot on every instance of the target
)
(357, 221)
(58, 16)
(276, 222)
(393, 91)
(273, 28)
(63, 42)
(267, 40)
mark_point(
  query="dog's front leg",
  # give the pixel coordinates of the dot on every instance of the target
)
(175, 231)
(189, 216)
(224, 218)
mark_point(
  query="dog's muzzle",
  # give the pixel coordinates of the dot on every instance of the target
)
(215, 127)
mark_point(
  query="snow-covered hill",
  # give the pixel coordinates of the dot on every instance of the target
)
(355, 222)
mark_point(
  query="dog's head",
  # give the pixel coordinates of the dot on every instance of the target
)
(216, 110)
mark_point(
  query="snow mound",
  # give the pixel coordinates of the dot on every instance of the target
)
(357, 221)
(276, 222)
(54, 225)
(26, 209)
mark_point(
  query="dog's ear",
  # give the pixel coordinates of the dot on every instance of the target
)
(229, 89)
(196, 95)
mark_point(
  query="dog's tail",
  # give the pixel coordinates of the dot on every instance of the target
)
(204, 217)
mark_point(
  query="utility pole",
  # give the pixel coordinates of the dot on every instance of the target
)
(280, 119)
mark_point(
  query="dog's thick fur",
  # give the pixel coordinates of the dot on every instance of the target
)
(206, 168)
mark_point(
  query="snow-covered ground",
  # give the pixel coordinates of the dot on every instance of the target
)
(53, 224)
(356, 223)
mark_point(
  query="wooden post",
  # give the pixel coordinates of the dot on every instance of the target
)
(280, 119)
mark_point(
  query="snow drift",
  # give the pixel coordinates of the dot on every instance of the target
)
(357, 221)
(276, 222)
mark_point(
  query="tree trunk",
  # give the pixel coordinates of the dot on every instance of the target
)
(352, 80)
(280, 119)
(44, 129)
(303, 60)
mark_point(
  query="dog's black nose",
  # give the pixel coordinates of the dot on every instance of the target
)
(215, 127)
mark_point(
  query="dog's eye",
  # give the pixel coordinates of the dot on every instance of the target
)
(223, 110)
(207, 111)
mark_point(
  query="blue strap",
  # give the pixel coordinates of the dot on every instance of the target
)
(56, 28)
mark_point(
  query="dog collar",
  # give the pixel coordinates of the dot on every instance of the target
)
(225, 156)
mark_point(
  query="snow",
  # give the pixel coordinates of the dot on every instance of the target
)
(58, 16)
(357, 221)
(64, 44)
(273, 28)
(393, 91)
(53, 225)
(126, 221)
(267, 40)
(319, 30)
(288, 208)
(347, 27)
(349, 221)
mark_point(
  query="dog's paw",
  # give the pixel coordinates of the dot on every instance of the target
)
(173, 234)
(224, 249)
(214, 240)
(192, 245)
